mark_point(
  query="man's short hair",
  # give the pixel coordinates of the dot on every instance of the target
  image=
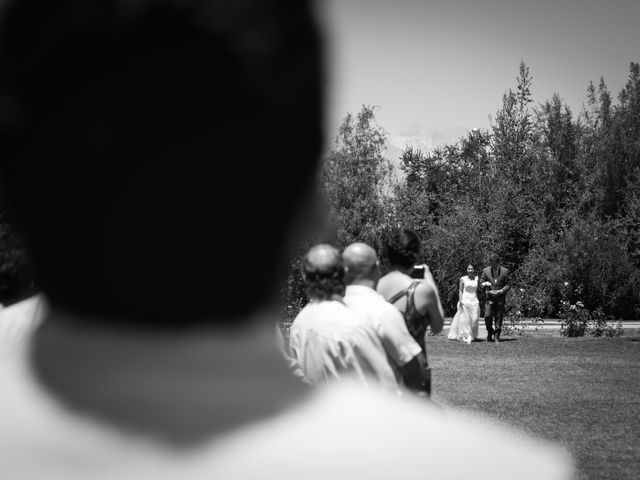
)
(494, 257)
(142, 154)
(403, 247)
(323, 283)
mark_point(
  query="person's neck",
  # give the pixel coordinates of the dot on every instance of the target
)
(364, 282)
(334, 297)
(177, 387)
(399, 268)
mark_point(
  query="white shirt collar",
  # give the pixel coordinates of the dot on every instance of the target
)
(361, 290)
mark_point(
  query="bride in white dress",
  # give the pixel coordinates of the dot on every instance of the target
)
(464, 326)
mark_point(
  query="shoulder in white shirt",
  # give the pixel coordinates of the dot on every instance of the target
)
(400, 346)
(19, 320)
(331, 341)
(342, 431)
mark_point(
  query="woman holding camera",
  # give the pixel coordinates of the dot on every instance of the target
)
(417, 299)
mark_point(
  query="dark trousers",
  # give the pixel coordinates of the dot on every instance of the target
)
(494, 313)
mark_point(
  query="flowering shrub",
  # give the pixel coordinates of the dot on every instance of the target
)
(577, 320)
(604, 326)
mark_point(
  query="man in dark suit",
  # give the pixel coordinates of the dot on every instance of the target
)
(498, 278)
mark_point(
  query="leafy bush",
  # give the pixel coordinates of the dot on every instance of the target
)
(590, 255)
(604, 326)
(577, 320)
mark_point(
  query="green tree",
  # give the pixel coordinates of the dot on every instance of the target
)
(510, 198)
(556, 196)
(356, 181)
(512, 129)
(556, 171)
(439, 198)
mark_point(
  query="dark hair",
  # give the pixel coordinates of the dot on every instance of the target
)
(403, 247)
(135, 144)
(494, 257)
(16, 276)
(323, 282)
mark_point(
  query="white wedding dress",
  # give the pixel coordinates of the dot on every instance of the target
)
(464, 326)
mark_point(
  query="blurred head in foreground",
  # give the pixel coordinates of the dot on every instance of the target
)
(144, 163)
(143, 155)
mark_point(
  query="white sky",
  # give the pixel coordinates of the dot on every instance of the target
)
(447, 62)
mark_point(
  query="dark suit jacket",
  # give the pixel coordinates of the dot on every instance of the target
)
(500, 281)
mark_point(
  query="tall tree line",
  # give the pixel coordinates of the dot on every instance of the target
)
(557, 195)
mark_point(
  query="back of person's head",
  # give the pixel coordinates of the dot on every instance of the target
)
(323, 272)
(360, 263)
(143, 153)
(494, 259)
(403, 247)
(16, 276)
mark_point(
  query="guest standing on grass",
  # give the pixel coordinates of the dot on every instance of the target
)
(417, 299)
(328, 340)
(403, 352)
(495, 281)
(464, 326)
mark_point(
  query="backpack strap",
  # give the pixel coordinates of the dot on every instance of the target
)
(411, 311)
(416, 324)
(407, 291)
(399, 295)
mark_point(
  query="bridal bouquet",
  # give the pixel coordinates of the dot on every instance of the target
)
(485, 286)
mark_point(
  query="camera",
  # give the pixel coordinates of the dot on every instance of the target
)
(418, 272)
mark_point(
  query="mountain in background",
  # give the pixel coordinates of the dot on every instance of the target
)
(421, 137)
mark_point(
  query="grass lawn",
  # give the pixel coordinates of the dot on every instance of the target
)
(581, 392)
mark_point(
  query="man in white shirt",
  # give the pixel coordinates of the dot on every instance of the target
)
(328, 340)
(403, 352)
